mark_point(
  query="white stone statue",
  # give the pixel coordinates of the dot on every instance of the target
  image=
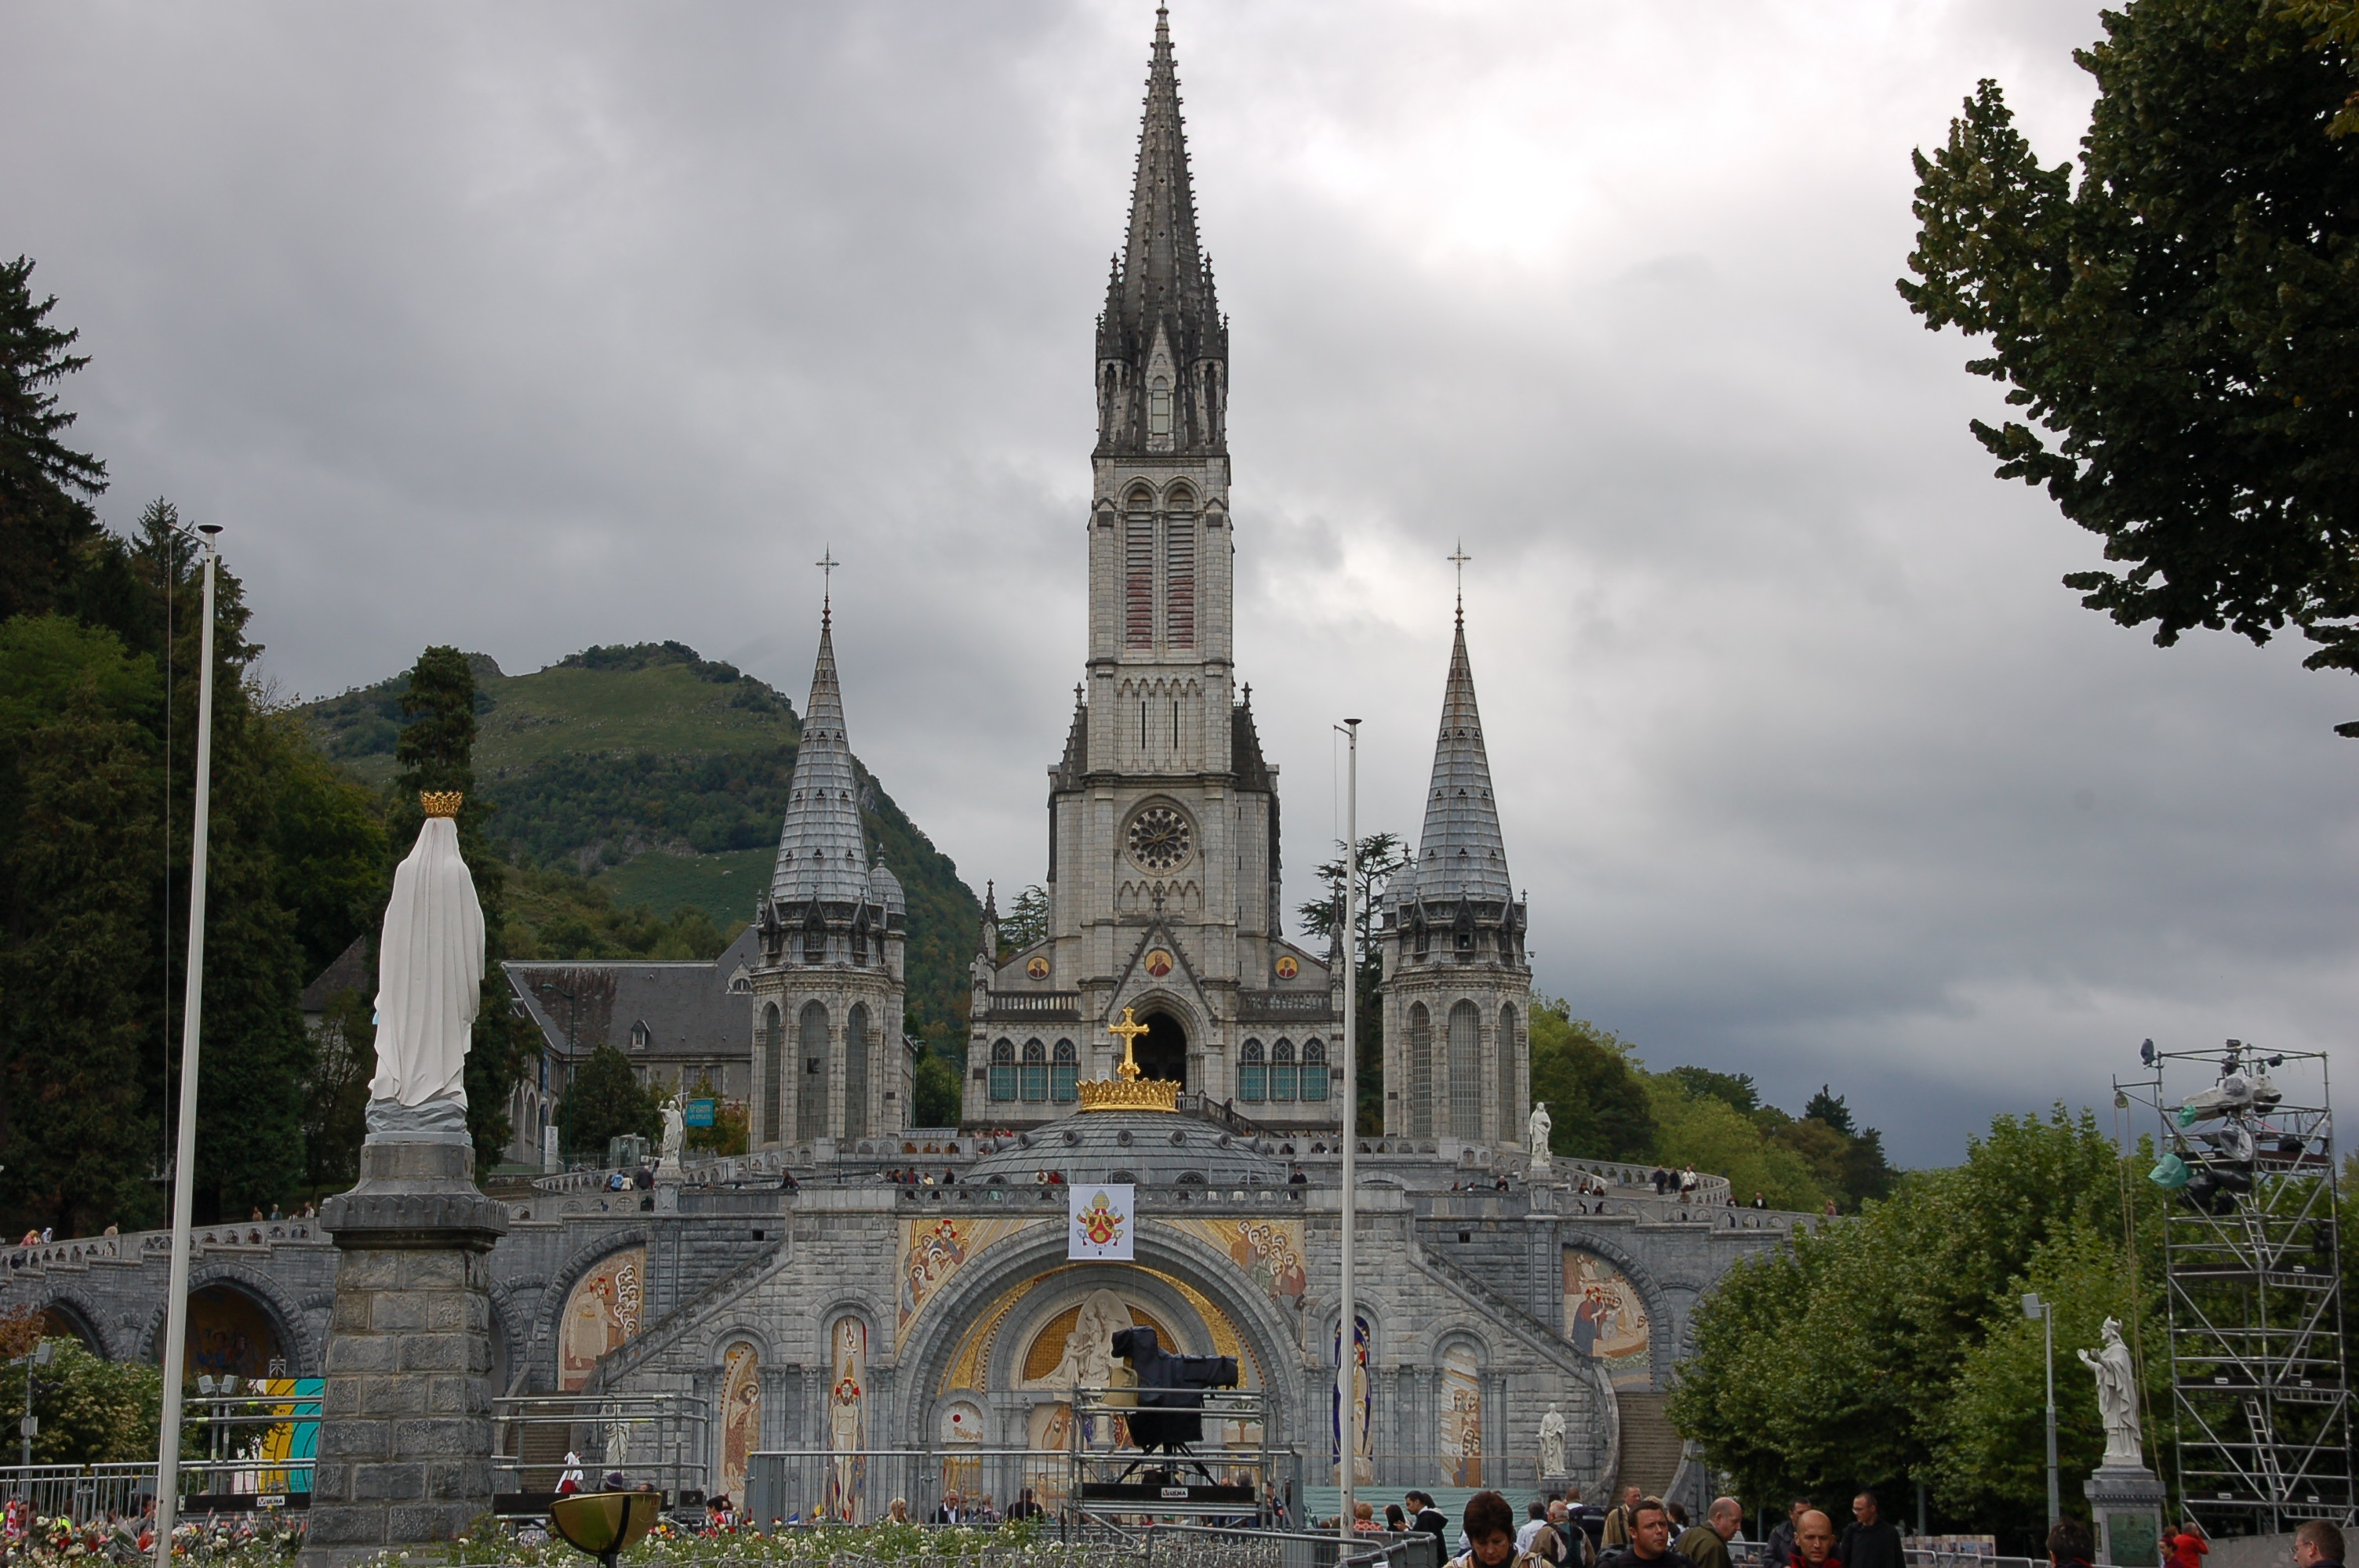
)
(1537, 1137)
(430, 981)
(675, 1134)
(2116, 1398)
(1552, 1443)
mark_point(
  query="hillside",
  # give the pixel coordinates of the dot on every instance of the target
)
(661, 777)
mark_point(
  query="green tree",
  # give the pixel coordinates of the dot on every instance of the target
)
(436, 753)
(78, 838)
(91, 1411)
(46, 523)
(604, 1101)
(732, 1128)
(1382, 855)
(1596, 1091)
(1026, 921)
(935, 1098)
(335, 1099)
(2182, 322)
(1706, 1132)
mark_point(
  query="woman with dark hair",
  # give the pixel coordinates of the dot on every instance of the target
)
(1491, 1535)
(2069, 1543)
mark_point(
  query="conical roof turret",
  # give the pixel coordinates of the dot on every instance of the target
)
(822, 851)
(1462, 855)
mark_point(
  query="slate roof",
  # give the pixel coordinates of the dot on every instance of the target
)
(1461, 855)
(351, 971)
(823, 852)
(687, 1006)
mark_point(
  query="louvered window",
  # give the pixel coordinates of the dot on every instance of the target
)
(1179, 572)
(1138, 573)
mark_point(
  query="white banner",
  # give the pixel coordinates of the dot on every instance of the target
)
(1099, 1223)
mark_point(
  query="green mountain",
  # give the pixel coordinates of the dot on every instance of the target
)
(659, 778)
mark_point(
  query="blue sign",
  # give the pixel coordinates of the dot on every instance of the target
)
(699, 1114)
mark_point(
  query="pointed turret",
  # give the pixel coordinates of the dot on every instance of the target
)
(1463, 856)
(822, 853)
(1163, 349)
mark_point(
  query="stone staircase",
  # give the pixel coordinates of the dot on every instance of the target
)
(1651, 1448)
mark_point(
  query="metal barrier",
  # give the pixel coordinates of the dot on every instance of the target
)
(808, 1485)
(85, 1493)
(655, 1439)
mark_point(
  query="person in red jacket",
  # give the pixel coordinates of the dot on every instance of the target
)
(2188, 1547)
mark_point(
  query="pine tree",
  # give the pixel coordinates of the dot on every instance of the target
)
(45, 521)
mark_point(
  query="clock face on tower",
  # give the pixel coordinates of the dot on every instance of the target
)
(1159, 839)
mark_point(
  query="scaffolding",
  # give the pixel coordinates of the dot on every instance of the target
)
(2251, 1264)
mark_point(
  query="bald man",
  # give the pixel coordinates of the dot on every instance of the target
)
(1814, 1542)
(1706, 1545)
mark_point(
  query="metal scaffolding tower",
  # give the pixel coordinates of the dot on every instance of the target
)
(2253, 1265)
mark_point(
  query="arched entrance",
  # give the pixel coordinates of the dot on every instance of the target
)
(230, 1331)
(1162, 1051)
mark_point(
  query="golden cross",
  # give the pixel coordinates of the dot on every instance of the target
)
(1130, 1029)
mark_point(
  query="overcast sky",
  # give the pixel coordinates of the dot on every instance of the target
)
(529, 327)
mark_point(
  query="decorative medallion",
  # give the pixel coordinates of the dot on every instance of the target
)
(1038, 969)
(1159, 839)
(1158, 961)
(1287, 967)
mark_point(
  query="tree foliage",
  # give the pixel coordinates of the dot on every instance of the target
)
(46, 523)
(1888, 1349)
(604, 1100)
(2182, 322)
(1590, 1080)
(91, 1411)
(1382, 855)
(1026, 923)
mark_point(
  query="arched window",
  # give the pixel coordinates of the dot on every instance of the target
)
(1253, 1077)
(1179, 570)
(1281, 1070)
(860, 941)
(1314, 1070)
(1421, 1071)
(774, 1039)
(1036, 1070)
(814, 939)
(1465, 1071)
(1063, 1066)
(1511, 1100)
(1138, 572)
(855, 1073)
(1002, 1069)
(1158, 408)
(810, 1092)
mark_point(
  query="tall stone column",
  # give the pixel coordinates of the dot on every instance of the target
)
(405, 1429)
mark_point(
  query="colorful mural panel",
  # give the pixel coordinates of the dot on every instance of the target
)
(601, 1313)
(1605, 1318)
(1460, 1400)
(847, 1419)
(932, 1250)
(1355, 1413)
(740, 1416)
(1268, 1251)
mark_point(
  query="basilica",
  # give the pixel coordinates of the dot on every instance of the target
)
(1518, 1319)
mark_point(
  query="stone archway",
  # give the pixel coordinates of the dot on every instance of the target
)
(1162, 1051)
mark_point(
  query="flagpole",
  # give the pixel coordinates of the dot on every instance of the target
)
(184, 1157)
(1347, 1347)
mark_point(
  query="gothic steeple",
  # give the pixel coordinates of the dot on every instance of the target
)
(1463, 856)
(822, 853)
(1163, 349)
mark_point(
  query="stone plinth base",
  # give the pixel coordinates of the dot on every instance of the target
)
(406, 1428)
(2125, 1504)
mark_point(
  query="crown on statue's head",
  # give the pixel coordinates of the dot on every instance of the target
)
(439, 803)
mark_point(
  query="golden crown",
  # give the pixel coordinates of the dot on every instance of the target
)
(1129, 1094)
(439, 802)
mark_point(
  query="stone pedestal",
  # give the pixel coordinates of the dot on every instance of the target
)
(2125, 1504)
(406, 1428)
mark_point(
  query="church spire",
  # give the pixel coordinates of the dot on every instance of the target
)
(1462, 855)
(822, 853)
(1162, 346)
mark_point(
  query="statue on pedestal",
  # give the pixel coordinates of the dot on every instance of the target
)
(1536, 1137)
(430, 983)
(675, 1136)
(1552, 1443)
(2116, 1397)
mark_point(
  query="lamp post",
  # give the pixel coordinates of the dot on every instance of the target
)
(2044, 1312)
(38, 1356)
(550, 987)
(184, 1155)
(1347, 1336)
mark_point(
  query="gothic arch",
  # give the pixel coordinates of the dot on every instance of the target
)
(568, 1274)
(1652, 1289)
(287, 1319)
(79, 1319)
(925, 1358)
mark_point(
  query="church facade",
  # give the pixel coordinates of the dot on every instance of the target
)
(809, 1320)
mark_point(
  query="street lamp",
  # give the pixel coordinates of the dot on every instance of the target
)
(550, 987)
(36, 1357)
(2033, 1307)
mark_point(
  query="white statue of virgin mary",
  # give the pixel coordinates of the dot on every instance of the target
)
(429, 981)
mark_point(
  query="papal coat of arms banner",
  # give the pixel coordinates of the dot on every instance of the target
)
(1102, 1219)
